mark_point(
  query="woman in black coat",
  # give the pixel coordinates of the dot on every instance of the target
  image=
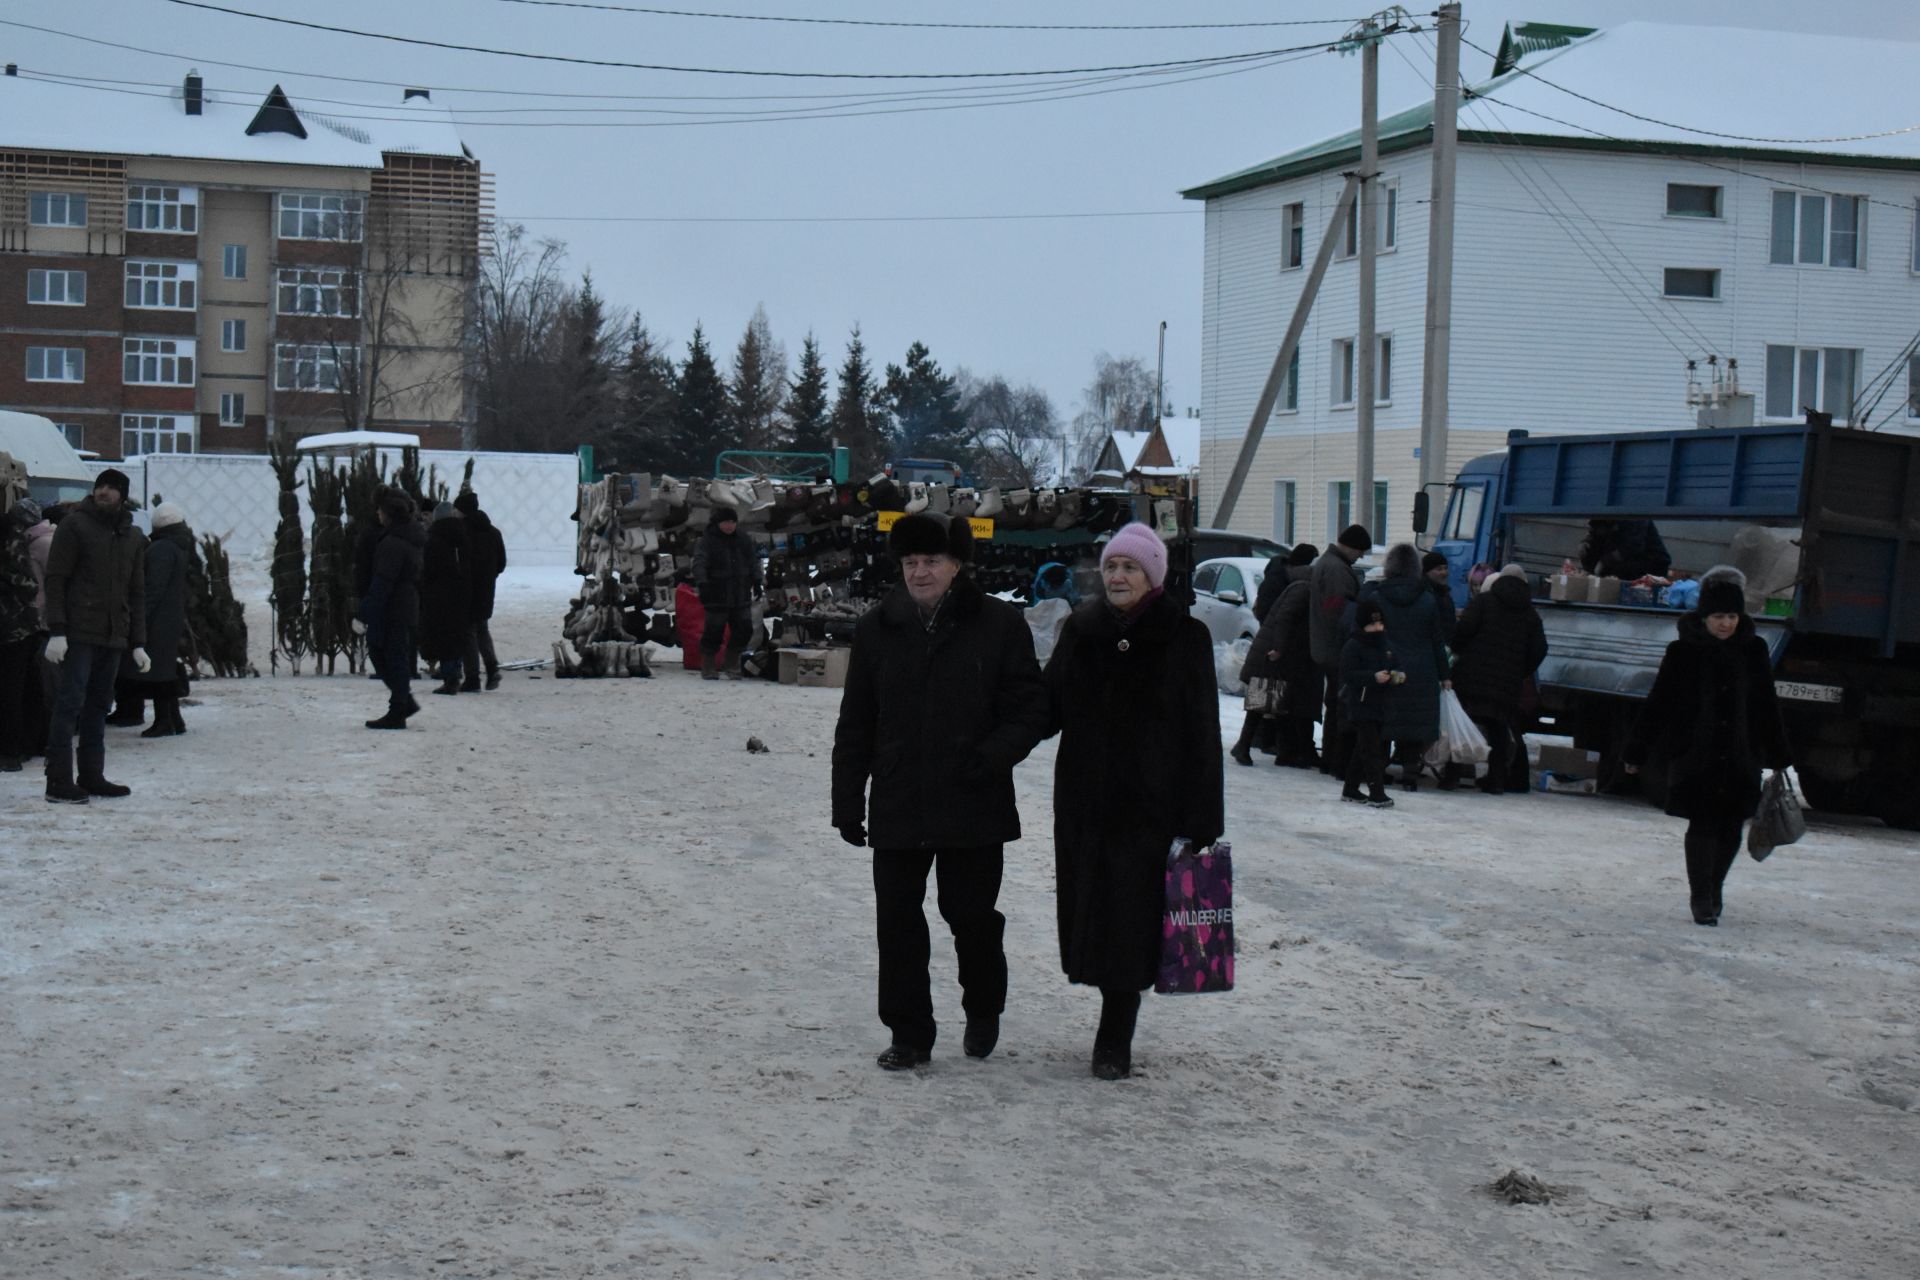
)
(170, 554)
(1132, 694)
(446, 595)
(1713, 720)
(390, 608)
(1498, 642)
(1412, 710)
(1264, 657)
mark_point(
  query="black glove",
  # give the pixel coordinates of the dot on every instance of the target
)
(855, 835)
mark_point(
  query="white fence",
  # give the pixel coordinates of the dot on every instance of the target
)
(529, 496)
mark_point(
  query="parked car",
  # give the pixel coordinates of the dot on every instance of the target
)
(1223, 593)
(1218, 544)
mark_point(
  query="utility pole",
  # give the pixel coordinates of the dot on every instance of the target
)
(1160, 378)
(1365, 373)
(1438, 354)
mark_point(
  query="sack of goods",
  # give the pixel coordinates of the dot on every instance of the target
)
(1460, 740)
(1196, 936)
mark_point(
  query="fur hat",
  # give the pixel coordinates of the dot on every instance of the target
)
(26, 513)
(1402, 561)
(1356, 538)
(930, 533)
(1431, 561)
(168, 513)
(1304, 553)
(1140, 543)
(720, 515)
(466, 502)
(1366, 613)
(114, 478)
(1721, 596)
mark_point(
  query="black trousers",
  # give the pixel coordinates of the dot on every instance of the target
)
(1713, 842)
(19, 696)
(1499, 736)
(480, 651)
(720, 620)
(969, 886)
(1336, 736)
(1367, 761)
(395, 665)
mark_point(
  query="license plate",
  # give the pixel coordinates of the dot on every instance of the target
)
(1798, 692)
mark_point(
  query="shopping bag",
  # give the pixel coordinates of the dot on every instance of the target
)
(1460, 740)
(1196, 934)
(1778, 820)
(1263, 695)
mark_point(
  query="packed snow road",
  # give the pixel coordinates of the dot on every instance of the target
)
(563, 981)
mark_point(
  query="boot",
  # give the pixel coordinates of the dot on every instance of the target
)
(166, 713)
(471, 684)
(173, 710)
(1113, 1041)
(1242, 749)
(447, 686)
(493, 680)
(128, 712)
(94, 783)
(709, 667)
(60, 788)
(391, 720)
(982, 1034)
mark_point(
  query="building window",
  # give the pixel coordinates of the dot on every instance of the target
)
(76, 433)
(1286, 511)
(1379, 510)
(233, 335)
(158, 362)
(1913, 387)
(233, 261)
(56, 209)
(1802, 378)
(56, 364)
(1685, 200)
(1691, 282)
(308, 291)
(1383, 369)
(320, 217)
(57, 288)
(1389, 197)
(1818, 230)
(1293, 236)
(162, 286)
(174, 209)
(233, 408)
(1916, 233)
(1342, 372)
(1290, 394)
(1339, 507)
(142, 433)
(310, 368)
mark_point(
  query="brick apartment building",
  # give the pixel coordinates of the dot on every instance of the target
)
(208, 271)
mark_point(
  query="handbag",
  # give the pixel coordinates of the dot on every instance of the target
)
(1264, 694)
(1196, 933)
(1778, 820)
(1460, 740)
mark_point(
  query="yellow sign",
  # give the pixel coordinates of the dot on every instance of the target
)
(982, 528)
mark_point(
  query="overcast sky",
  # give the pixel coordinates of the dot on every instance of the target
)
(1067, 234)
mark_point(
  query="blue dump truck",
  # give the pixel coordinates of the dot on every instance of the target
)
(1824, 521)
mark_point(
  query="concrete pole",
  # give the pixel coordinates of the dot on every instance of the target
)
(1438, 354)
(1369, 230)
(1160, 378)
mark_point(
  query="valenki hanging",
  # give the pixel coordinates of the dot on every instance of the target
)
(1196, 934)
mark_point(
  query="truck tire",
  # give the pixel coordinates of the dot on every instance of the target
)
(1826, 795)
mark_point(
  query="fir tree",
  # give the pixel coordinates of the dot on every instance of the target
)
(642, 435)
(289, 596)
(753, 393)
(330, 580)
(858, 421)
(588, 404)
(925, 404)
(700, 411)
(808, 411)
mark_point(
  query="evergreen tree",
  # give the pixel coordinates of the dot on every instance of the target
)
(753, 394)
(642, 435)
(587, 397)
(700, 411)
(859, 421)
(807, 410)
(925, 404)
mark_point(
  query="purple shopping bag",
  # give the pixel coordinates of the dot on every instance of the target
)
(1196, 934)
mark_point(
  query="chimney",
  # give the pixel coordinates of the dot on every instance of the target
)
(192, 92)
(13, 68)
(408, 95)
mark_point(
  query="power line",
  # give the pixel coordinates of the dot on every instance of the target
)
(933, 26)
(573, 60)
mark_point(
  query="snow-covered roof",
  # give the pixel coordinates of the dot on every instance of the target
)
(1725, 90)
(1183, 441)
(48, 115)
(357, 440)
(1127, 446)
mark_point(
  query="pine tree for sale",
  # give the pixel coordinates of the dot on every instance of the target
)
(330, 583)
(289, 597)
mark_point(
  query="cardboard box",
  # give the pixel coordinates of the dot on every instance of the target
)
(1567, 586)
(1547, 780)
(1602, 590)
(1569, 761)
(821, 668)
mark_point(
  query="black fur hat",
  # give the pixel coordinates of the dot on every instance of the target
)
(1366, 613)
(1722, 596)
(928, 533)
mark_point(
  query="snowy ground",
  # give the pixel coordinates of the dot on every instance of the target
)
(564, 982)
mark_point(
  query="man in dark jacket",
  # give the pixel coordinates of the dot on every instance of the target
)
(390, 606)
(487, 561)
(1333, 586)
(446, 595)
(943, 699)
(1439, 576)
(19, 635)
(96, 610)
(1498, 643)
(726, 573)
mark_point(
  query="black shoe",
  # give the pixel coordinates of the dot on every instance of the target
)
(1353, 797)
(900, 1057)
(470, 686)
(160, 729)
(388, 721)
(446, 686)
(1111, 1064)
(1410, 784)
(95, 784)
(1241, 756)
(413, 705)
(124, 720)
(1709, 921)
(1380, 801)
(65, 793)
(493, 681)
(1491, 787)
(982, 1034)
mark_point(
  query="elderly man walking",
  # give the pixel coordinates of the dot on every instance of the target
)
(96, 611)
(943, 699)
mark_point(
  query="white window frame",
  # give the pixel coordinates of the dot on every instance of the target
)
(1337, 517)
(298, 285)
(1719, 213)
(163, 210)
(1342, 374)
(1286, 511)
(1830, 239)
(1389, 222)
(233, 408)
(1382, 368)
(157, 362)
(1293, 227)
(75, 432)
(308, 364)
(42, 205)
(1289, 401)
(1666, 285)
(156, 284)
(233, 335)
(233, 261)
(45, 279)
(148, 433)
(1808, 359)
(314, 216)
(57, 364)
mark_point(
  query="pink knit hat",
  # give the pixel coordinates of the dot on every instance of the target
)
(1141, 543)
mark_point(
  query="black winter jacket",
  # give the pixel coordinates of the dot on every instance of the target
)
(1498, 643)
(393, 594)
(1413, 630)
(487, 563)
(937, 717)
(170, 554)
(1274, 626)
(1272, 583)
(1138, 713)
(1362, 697)
(96, 578)
(446, 589)
(726, 568)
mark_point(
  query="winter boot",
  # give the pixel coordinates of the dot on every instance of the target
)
(166, 713)
(391, 720)
(1113, 1041)
(471, 684)
(1242, 749)
(493, 680)
(903, 1057)
(94, 783)
(9, 764)
(128, 712)
(982, 1034)
(173, 710)
(709, 667)
(447, 686)
(60, 788)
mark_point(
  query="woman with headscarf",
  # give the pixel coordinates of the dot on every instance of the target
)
(1264, 658)
(1132, 694)
(1412, 711)
(171, 554)
(1498, 643)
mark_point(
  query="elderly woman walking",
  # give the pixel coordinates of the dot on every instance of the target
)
(170, 555)
(1415, 634)
(1132, 694)
(1713, 719)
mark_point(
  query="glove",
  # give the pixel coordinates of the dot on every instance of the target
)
(141, 662)
(359, 627)
(855, 835)
(56, 648)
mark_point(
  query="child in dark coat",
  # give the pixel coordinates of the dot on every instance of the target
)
(1366, 673)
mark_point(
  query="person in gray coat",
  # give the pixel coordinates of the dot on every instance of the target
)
(1333, 586)
(170, 554)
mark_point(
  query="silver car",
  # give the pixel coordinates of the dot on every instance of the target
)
(1223, 594)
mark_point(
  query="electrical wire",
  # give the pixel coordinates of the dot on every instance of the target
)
(574, 60)
(933, 26)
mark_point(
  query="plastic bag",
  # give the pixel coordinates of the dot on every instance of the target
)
(1196, 931)
(1778, 820)
(1460, 740)
(1227, 661)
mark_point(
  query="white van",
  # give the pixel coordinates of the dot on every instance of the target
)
(55, 472)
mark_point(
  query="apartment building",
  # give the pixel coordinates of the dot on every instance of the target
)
(206, 270)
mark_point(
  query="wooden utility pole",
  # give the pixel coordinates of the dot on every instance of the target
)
(1364, 357)
(1437, 354)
